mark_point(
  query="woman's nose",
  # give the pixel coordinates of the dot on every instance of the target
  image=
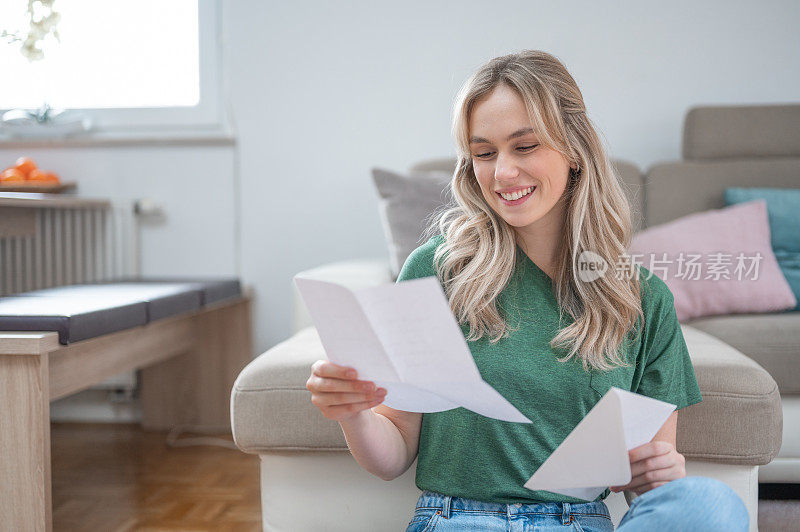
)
(505, 169)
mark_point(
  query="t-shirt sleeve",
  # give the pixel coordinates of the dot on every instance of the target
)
(668, 373)
(420, 262)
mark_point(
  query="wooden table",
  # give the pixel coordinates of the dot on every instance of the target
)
(189, 364)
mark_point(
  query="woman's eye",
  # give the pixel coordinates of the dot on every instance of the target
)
(486, 155)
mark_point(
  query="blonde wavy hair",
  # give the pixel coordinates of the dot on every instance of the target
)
(477, 259)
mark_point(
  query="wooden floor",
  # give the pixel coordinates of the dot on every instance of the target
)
(119, 478)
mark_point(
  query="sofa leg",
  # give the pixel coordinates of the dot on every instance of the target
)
(743, 479)
(192, 390)
(25, 491)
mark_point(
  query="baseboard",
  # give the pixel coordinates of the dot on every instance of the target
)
(782, 491)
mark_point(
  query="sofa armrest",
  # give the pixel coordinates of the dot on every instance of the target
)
(738, 422)
(354, 274)
(271, 408)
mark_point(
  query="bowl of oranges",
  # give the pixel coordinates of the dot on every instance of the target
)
(25, 175)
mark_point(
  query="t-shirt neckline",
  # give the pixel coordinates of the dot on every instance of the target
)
(526, 259)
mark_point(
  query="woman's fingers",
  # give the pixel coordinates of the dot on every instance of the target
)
(662, 461)
(329, 377)
(340, 411)
(334, 399)
(652, 479)
(323, 368)
(337, 392)
(328, 385)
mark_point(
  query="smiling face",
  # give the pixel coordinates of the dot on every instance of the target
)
(508, 159)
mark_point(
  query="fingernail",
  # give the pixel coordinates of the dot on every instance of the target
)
(351, 373)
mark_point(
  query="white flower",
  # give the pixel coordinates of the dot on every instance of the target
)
(42, 21)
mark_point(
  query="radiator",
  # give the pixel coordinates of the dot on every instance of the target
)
(80, 241)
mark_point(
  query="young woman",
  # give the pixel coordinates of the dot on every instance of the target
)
(534, 190)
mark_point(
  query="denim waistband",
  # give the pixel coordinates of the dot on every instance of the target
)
(447, 504)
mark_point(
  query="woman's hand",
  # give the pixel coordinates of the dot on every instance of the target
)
(652, 465)
(336, 391)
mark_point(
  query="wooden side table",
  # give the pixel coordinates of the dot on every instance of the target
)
(189, 362)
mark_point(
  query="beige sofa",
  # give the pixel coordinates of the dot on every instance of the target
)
(309, 480)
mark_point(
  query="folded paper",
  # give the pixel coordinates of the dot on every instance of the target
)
(404, 337)
(594, 455)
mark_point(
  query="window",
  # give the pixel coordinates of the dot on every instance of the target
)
(127, 66)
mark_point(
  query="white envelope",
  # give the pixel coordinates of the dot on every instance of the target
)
(595, 454)
(404, 337)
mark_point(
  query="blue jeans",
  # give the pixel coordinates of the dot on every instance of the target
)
(687, 504)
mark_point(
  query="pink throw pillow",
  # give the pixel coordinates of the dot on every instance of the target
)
(712, 263)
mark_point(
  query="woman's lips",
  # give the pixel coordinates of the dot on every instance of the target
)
(519, 201)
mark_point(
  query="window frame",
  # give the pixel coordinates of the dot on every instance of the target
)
(205, 119)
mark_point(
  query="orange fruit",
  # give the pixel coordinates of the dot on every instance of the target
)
(12, 175)
(25, 165)
(40, 176)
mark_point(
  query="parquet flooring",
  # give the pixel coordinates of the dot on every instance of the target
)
(118, 478)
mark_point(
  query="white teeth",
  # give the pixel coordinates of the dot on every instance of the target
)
(517, 195)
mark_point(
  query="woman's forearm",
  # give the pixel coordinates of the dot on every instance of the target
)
(376, 444)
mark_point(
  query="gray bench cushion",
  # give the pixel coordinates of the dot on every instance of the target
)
(739, 420)
(211, 290)
(772, 340)
(74, 318)
(79, 312)
(161, 299)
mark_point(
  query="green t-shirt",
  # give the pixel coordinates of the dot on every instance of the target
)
(464, 454)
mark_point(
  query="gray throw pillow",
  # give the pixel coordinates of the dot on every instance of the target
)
(406, 204)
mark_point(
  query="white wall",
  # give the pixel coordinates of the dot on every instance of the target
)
(192, 184)
(323, 91)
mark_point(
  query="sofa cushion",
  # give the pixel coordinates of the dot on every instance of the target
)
(771, 340)
(733, 268)
(741, 131)
(406, 204)
(676, 189)
(740, 400)
(783, 208)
